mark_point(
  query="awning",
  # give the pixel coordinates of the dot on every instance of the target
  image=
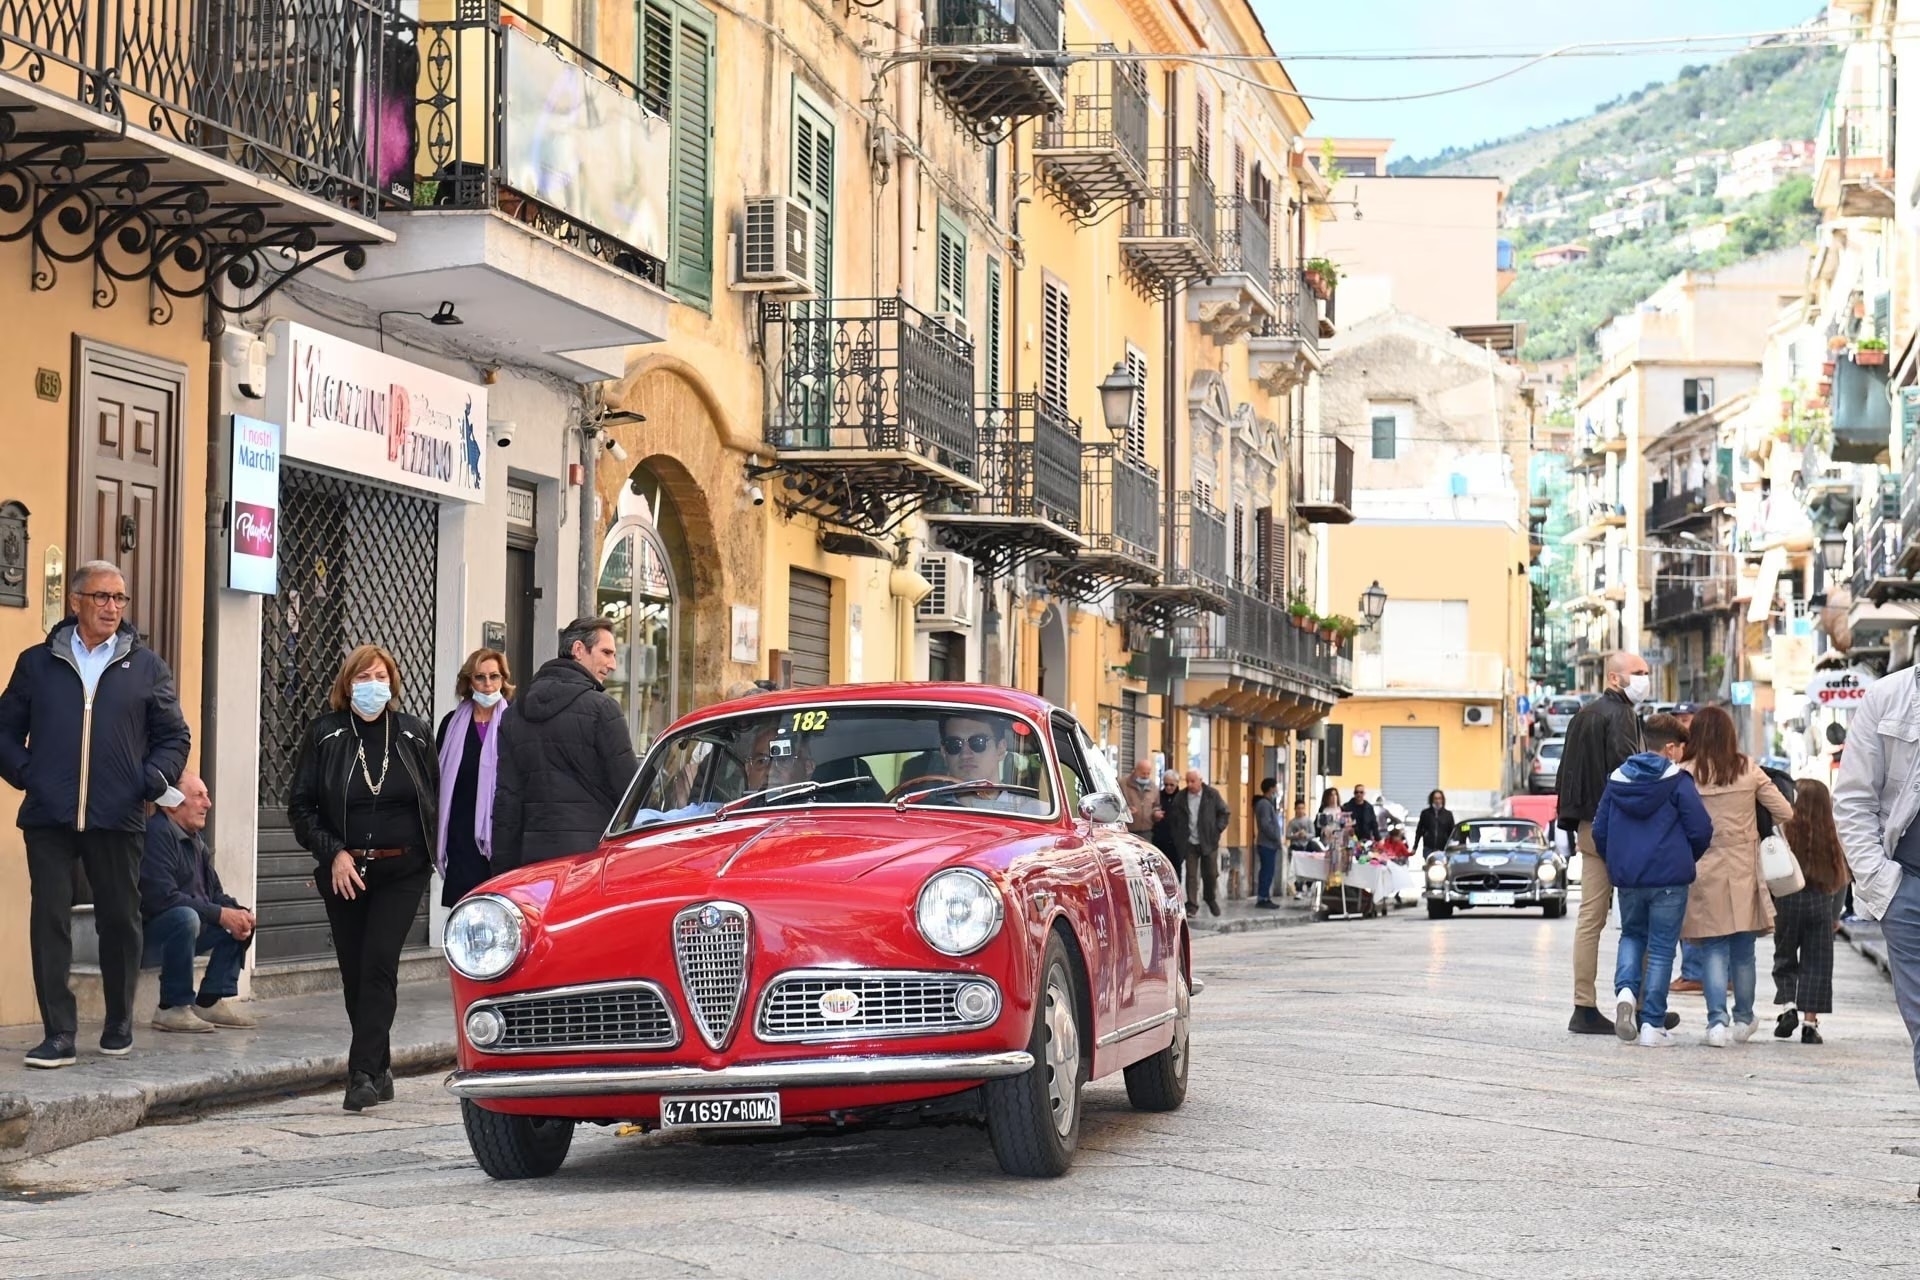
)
(1894, 615)
(1772, 562)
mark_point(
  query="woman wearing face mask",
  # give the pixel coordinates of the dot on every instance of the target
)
(364, 802)
(469, 744)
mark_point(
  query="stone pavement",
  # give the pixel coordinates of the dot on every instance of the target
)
(1373, 1098)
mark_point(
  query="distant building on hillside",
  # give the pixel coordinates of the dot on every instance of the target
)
(1708, 236)
(1619, 222)
(1758, 169)
(1559, 255)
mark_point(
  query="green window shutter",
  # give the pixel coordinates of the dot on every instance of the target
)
(676, 81)
(1054, 362)
(1384, 442)
(993, 331)
(950, 285)
(813, 185)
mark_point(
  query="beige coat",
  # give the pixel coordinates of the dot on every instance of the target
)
(1729, 895)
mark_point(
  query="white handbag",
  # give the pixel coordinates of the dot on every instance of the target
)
(1779, 868)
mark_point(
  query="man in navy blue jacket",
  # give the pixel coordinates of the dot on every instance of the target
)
(1651, 828)
(90, 729)
(187, 913)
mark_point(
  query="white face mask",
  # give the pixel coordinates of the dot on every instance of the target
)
(1638, 688)
(486, 698)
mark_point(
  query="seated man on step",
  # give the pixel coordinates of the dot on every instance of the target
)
(187, 914)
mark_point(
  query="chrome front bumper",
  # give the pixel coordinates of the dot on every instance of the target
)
(800, 1073)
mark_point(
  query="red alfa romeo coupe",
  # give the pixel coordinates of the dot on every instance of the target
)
(832, 907)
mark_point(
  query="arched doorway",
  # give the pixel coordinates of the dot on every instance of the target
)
(644, 588)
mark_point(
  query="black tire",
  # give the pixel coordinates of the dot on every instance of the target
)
(1555, 910)
(1035, 1132)
(1439, 910)
(1159, 1083)
(515, 1147)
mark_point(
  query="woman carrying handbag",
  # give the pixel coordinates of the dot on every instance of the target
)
(1803, 931)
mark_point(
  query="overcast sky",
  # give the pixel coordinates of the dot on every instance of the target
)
(1539, 95)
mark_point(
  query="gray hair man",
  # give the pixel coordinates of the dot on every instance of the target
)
(188, 914)
(1600, 737)
(96, 714)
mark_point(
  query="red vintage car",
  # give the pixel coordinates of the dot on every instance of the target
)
(832, 907)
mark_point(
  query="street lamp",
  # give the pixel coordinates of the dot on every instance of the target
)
(1117, 392)
(1373, 603)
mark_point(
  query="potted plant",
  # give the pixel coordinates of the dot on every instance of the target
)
(1837, 342)
(1300, 611)
(1827, 367)
(1345, 628)
(1322, 277)
(1870, 351)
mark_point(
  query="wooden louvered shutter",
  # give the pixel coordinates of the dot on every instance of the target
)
(1136, 443)
(813, 187)
(950, 291)
(1270, 550)
(676, 81)
(1054, 371)
(1203, 135)
(993, 320)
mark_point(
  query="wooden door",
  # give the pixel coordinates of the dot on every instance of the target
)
(127, 435)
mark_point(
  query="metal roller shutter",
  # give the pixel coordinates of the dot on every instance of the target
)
(810, 627)
(1409, 766)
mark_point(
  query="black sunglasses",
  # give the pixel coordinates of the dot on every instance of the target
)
(975, 743)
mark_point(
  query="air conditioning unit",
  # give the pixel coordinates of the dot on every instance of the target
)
(950, 603)
(1479, 714)
(776, 251)
(954, 323)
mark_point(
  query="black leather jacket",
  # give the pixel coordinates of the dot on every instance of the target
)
(317, 800)
(1602, 735)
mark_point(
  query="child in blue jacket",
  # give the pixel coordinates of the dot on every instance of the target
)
(1651, 828)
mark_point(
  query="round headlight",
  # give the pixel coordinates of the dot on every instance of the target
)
(959, 911)
(485, 1027)
(976, 1002)
(1436, 873)
(483, 937)
(1548, 873)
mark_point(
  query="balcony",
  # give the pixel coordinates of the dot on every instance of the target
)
(1120, 522)
(1671, 511)
(1171, 236)
(1095, 152)
(1285, 347)
(186, 145)
(1685, 598)
(875, 416)
(1324, 493)
(1406, 673)
(1030, 474)
(1862, 414)
(1196, 581)
(1877, 542)
(1240, 298)
(1261, 663)
(1018, 78)
(1853, 175)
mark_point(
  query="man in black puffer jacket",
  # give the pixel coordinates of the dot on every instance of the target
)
(565, 754)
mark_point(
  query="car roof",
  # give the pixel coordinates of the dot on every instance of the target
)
(987, 697)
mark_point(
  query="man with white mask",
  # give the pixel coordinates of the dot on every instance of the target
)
(1602, 735)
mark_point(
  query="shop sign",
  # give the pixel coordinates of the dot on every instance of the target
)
(1743, 693)
(355, 410)
(1839, 690)
(253, 522)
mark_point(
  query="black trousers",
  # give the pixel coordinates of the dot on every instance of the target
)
(112, 863)
(368, 933)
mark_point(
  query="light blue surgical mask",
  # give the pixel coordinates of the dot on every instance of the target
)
(370, 697)
(487, 699)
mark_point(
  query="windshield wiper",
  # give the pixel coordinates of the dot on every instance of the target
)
(786, 791)
(954, 788)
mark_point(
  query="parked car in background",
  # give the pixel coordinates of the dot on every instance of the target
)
(1560, 714)
(1497, 862)
(1543, 771)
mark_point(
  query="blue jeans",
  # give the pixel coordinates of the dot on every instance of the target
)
(1900, 930)
(1690, 966)
(174, 938)
(1269, 861)
(1649, 926)
(1729, 953)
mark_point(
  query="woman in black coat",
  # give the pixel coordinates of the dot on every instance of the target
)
(469, 772)
(1436, 824)
(364, 803)
(1163, 839)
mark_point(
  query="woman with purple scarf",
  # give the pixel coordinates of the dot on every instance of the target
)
(469, 742)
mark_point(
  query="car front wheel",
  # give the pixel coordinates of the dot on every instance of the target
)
(1439, 910)
(1033, 1118)
(1159, 1083)
(514, 1147)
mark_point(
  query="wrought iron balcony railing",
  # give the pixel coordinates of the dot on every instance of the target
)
(1200, 543)
(468, 160)
(1325, 487)
(1238, 298)
(1172, 235)
(1682, 596)
(1673, 510)
(1246, 247)
(1013, 81)
(1285, 347)
(1258, 635)
(1095, 151)
(1120, 522)
(1030, 478)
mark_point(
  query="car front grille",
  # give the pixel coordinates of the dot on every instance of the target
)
(1486, 882)
(889, 1004)
(612, 1015)
(710, 945)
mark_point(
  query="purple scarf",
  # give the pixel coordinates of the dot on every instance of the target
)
(450, 753)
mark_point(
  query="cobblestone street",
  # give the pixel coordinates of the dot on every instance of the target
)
(1394, 1098)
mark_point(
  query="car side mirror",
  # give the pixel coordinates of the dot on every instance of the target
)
(1104, 808)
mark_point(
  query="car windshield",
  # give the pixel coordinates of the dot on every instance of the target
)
(1497, 831)
(842, 754)
(1564, 706)
(1551, 750)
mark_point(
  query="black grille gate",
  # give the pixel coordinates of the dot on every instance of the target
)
(358, 565)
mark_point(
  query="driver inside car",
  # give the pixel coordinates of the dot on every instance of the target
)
(976, 751)
(774, 760)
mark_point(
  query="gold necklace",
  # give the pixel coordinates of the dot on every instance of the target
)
(386, 757)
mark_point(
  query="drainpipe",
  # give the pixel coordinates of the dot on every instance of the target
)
(1169, 391)
(218, 493)
(589, 520)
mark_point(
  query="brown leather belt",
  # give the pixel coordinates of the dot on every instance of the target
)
(369, 855)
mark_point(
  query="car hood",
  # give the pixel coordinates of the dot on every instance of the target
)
(1495, 858)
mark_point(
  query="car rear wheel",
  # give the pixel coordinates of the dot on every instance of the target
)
(1033, 1118)
(1159, 1083)
(515, 1147)
(1439, 910)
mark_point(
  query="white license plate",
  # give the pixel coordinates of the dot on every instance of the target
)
(1490, 899)
(734, 1111)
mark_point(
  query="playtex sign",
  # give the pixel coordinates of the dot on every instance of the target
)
(253, 520)
(351, 409)
(1838, 690)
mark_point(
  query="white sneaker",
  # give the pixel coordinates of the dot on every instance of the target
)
(1742, 1032)
(1625, 1024)
(1652, 1037)
(1717, 1037)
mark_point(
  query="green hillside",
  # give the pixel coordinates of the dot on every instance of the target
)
(1560, 177)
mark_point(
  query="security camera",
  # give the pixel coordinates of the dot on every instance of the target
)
(613, 447)
(756, 495)
(503, 432)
